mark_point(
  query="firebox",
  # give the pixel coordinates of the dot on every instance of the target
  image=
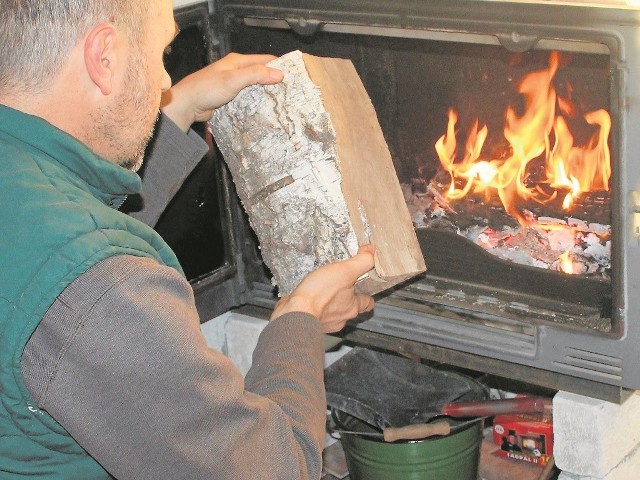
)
(512, 130)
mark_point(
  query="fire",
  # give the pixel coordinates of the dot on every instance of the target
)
(541, 132)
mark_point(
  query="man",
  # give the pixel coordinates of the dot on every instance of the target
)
(103, 369)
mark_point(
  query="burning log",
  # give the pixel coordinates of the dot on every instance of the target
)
(315, 175)
(568, 245)
(541, 131)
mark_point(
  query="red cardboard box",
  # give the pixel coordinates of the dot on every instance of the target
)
(525, 437)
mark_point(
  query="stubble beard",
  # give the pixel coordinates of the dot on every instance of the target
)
(135, 161)
(127, 126)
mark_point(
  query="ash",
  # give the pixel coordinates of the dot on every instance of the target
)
(587, 245)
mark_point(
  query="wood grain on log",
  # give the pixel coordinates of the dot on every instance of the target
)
(315, 175)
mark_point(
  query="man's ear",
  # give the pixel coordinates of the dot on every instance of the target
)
(100, 56)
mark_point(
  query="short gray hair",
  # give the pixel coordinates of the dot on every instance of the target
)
(36, 36)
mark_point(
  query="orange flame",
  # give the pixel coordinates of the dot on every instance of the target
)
(540, 131)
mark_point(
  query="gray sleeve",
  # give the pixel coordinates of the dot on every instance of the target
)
(120, 362)
(170, 159)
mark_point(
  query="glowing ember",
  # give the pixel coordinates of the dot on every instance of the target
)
(566, 264)
(540, 133)
(567, 245)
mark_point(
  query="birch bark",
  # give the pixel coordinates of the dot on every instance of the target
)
(282, 148)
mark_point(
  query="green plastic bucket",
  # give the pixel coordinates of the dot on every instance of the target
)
(452, 457)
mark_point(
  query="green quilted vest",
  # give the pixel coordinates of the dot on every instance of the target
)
(58, 217)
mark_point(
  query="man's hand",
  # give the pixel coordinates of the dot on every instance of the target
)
(195, 97)
(328, 293)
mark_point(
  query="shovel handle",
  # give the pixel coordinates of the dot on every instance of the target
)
(417, 431)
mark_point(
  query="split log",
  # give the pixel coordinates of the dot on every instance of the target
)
(315, 175)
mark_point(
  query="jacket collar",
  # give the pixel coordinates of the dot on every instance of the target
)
(106, 180)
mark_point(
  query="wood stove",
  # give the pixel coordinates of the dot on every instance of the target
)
(511, 126)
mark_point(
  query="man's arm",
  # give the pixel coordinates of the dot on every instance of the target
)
(119, 361)
(171, 157)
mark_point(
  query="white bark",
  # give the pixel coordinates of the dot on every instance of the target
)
(282, 149)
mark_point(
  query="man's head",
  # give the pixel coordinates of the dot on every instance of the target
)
(91, 67)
